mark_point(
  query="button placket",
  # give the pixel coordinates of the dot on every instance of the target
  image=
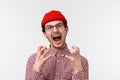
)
(58, 61)
(57, 67)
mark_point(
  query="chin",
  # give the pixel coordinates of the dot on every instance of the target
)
(58, 46)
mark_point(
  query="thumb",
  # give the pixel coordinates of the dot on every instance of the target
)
(69, 57)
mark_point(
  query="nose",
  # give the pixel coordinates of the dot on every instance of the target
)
(55, 29)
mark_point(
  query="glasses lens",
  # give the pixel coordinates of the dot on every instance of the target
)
(58, 26)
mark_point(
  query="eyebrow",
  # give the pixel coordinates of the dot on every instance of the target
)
(55, 24)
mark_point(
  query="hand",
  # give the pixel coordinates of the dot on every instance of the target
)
(75, 59)
(41, 57)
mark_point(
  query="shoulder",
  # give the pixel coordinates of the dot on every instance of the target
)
(32, 58)
(84, 60)
(85, 66)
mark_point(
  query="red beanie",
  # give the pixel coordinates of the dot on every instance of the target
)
(51, 16)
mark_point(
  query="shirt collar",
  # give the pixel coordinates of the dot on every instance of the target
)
(62, 52)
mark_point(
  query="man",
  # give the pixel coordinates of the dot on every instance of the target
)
(56, 62)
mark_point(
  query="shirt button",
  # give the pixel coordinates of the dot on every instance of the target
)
(41, 76)
(58, 60)
(63, 55)
(56, 74)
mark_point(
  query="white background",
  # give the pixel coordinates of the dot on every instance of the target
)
(94, 26)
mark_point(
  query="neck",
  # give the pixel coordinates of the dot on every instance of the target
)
(58, 48)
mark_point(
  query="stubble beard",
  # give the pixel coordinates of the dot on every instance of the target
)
(57, 47)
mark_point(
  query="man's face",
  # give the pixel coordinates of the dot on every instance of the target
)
(56, 32)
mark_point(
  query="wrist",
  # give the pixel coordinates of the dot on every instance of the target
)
(36, 68)
(77, 70)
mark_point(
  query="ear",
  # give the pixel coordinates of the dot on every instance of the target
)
(66, 29)
(44, 34)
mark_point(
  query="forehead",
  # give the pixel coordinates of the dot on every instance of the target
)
(53, 22)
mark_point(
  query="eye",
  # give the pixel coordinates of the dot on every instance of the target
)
(49, 27)
(59, 25)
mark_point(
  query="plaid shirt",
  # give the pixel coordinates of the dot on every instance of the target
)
(56, 67)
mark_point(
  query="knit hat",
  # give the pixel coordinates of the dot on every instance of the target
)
(51, 16)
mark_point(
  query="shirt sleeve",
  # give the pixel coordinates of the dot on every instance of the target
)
(83, 75)
(78, 76)
(30, 73)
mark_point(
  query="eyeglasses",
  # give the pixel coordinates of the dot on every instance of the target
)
(50, 27)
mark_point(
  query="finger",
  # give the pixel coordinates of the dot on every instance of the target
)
(75, 48)
(72, 51)
(40, 51)
(46, 52)
(69, 57)
(39, 47)
(48, 56)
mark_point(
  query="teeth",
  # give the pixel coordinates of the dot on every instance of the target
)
(56, 35)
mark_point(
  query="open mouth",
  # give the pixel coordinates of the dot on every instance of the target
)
(57, 38)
